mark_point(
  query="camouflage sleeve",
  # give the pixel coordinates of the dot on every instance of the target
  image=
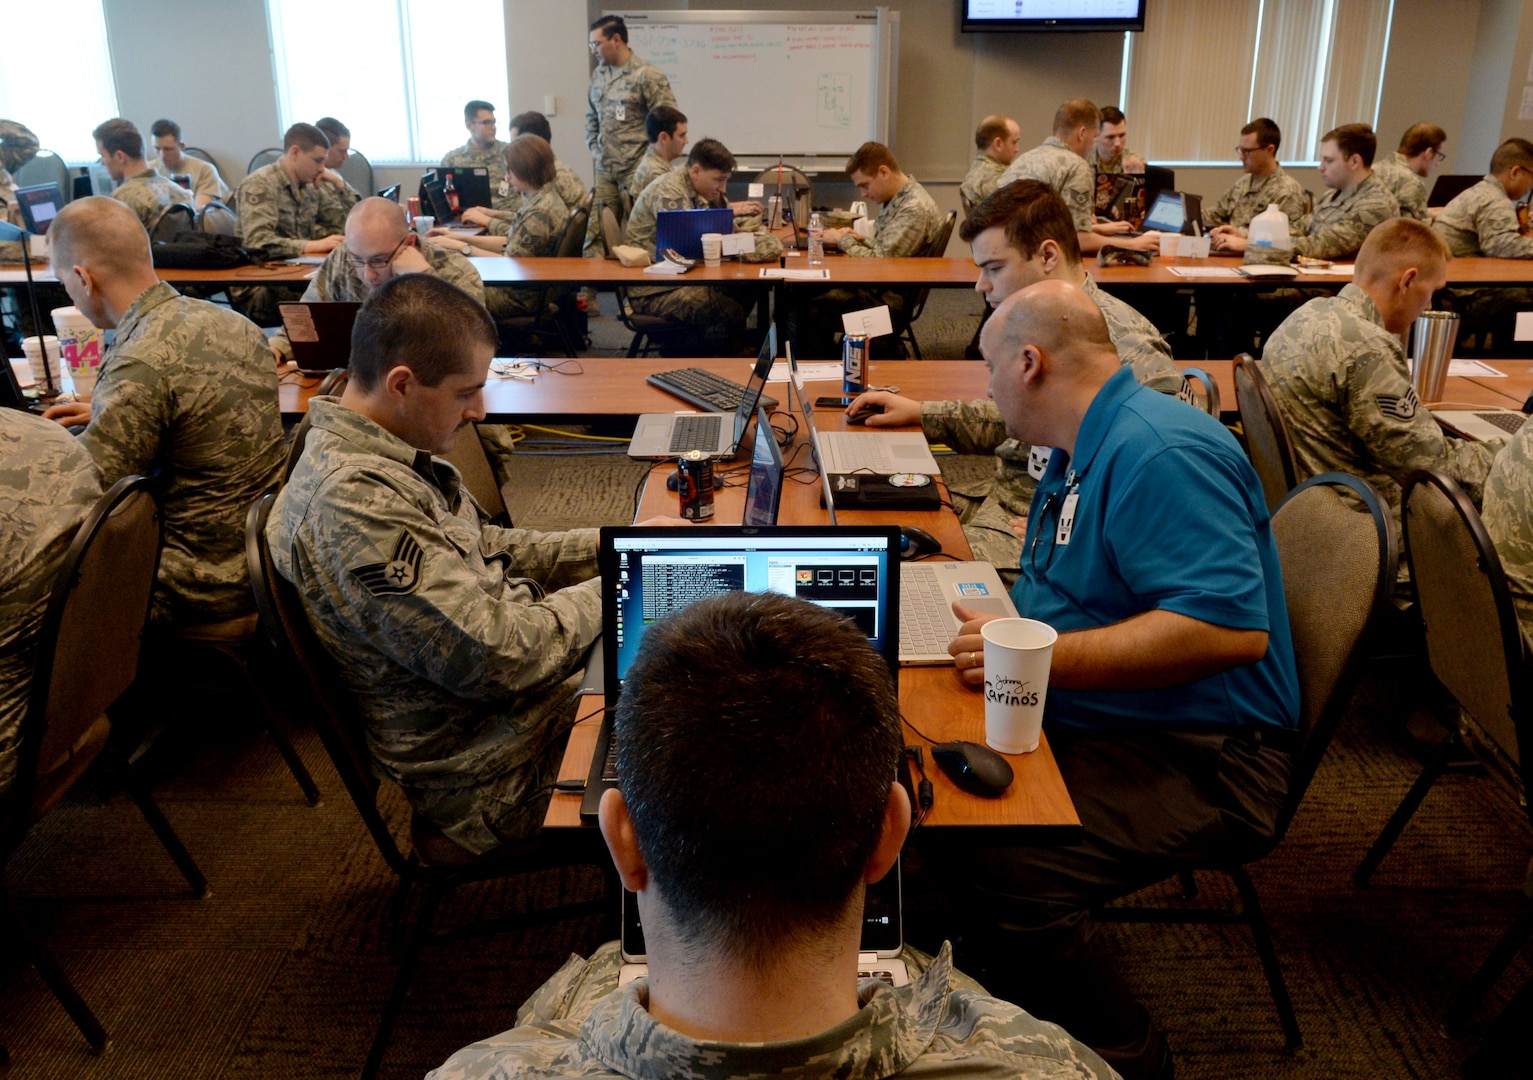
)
(1222, 210)
(335, 204)
(573, 990)
(129, 416)
(459, 271)
(530, 232)
(593, 117)
(972, 427)
(1508, 517)
(1412, 197)
(657, 88)
(1343, 237)
(639, 229)
(902, 235)
(259, 223)
(1495, 223)
(1076, 191)
(1294, 201)
(555, 560)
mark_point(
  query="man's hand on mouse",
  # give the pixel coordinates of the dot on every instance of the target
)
(654, 522)
(968, 648)
(898, 411)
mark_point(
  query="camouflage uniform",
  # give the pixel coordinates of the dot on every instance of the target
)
(1409, 190)
(976, 427)
(617, 102)
(1341, 222)
(717, 316)
(981, 179)
(1056, 165)
(1249, 196)
(493, 158)
(47, 486)
(1096, 165)
(205, 179)
(189, 387)
(1508, 517)
(17, 147)
(906, 225)
(277, 216)
(1345, 395)
(578, 1024)
(534, 231)
(147, 194)
(1483, 221)
(462, 657)
(650, 168)
(335, 203)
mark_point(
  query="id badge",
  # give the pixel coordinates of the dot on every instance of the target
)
(1038, 461)
(620, 112)
(504, 189)
(1066, 519)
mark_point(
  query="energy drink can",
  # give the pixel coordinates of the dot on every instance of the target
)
(854, 363)
(694, 484)
(413, 209)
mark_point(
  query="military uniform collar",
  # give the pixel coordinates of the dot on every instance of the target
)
(1489, 178)
(296, 186)
(146, 173)
(627, 65)
(1055, 140)
(368, 436)
(1358, 297)
(142, 305)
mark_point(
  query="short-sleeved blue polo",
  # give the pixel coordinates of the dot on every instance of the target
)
(1169, 515)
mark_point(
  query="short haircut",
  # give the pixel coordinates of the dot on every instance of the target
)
(420, 322)
(305, 137)
(1076, 113)
(119, 134)
(711, 154)
(757, 803)
(1352, 139)
(1512, 152)
(870, 157)
(662, 120)
(1422, 136)
(1398, 243)
(333, 128)
(991, 128)
(1266, 131)
(531, 159)
(1031, 212)
(95, 232)
(612, 26)
(532, 123)
(474, 108)
(161, 128)
(1111, 114)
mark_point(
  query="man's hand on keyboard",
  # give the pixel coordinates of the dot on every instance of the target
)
(898, 411)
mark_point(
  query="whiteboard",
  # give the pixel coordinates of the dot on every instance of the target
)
(764, 83)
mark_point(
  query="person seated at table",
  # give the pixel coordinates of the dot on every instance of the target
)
(1262, 183)
(1482, 220)
(666, 127)
(752, 907)
(1338, 372)
(715, 315)
(204, 182)
(1172, 695)
(461, 642)
(18, 145)
(186, 390)
(534, 229)
(571, 188)
(999, 140)
(1109, 150)
(139, 187)
(336, 196)
(1508, 518)
(1354, 205)
(1021, 234)
(1405, 171)
(484, 151)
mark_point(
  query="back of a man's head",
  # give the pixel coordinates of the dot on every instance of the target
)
(1031, 212)
(532, 123)
(1510, 153)
(1421, 137)
(758, 737)
(1074, 114)
(870, 157)
(1396, 245)
(304, 136)
(1352, 139)
(662, 120)
(103, 234)
(1266, 131)
(420, 322)
(120, 135)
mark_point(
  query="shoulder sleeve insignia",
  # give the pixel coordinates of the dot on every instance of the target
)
(252, 197)
(1403, 407)
(673, 202)
(400, 575)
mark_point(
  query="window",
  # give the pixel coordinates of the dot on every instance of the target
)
(62, 102)
(1200, 71)
(357, 60)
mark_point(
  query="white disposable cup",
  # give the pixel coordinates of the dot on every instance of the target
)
(424, 223)
(713, 248)
(1017, 657)
(83, 346)
(33, 352)
(1170, 244)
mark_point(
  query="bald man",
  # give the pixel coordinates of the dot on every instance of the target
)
(1172, 695)
(187, 388)
(379, 245)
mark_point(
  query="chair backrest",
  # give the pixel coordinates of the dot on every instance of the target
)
(1339, 568)
(175, 218)
(938, 246)
(1266, 437)
(625, 199)
(46, 166)
(215, 217)
(474, 466)
(968, 206)
(1473, 639)
(611, 231)
(574, 234)
(357, 171)
(262, 159)
(1201, 392)
(802, 190)
(200, 155)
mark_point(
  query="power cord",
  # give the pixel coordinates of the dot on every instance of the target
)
(924, 793)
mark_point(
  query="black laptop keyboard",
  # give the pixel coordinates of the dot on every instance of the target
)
(704, 389)
(1509, 422)
(699, 432)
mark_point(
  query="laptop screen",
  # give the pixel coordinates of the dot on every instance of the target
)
(1167, 215)
(755, 384)
(763, 490)
(648, 573)
(806, 407)
(40, 204)
(683, 230)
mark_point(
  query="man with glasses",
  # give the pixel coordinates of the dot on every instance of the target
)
(484, 151)
(379, 246)
(1263, 184)
(202, 179)
(1405, 171)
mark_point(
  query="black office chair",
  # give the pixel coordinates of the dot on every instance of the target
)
(547, 321)
(649, 331)
(46, 167)
(357, 171)
(904, 319)
(262, 159)
(1266, 438)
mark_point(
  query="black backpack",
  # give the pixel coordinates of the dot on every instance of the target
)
(189, 250)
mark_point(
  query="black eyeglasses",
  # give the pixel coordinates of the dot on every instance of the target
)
(377, 262)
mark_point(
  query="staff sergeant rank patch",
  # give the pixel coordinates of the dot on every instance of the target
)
(1404, 407)
(400, 575)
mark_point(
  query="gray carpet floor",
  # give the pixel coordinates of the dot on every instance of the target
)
(284, 970)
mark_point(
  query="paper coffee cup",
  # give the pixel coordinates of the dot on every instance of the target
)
(1170, 245)
(424, 223)
(82, 345)
(713, 248)
(33, 352)
(1017, 657)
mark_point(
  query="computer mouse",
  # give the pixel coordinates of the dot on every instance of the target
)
(974, 767)
(862, 414)
(673, 482)
(915, 542)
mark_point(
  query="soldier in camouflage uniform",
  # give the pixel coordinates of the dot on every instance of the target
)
(17, 147)
(48, 484)
(679, 838)
(143, 190)
(666, 127)
(1339, 375)
(993, 514)
(187, 388)
(572, 190)
(336, 196)
(483, 151)
(998, 140)
(1405, 171)
(1483, 219)
(716, 314)
(1263, 183)
(623, 90)
(204, 182)
(1508, 517)
(1109, 150)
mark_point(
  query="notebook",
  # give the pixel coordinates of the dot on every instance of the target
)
(320, 333)
(763, 491)
(927, 592)
(647, 573)
(663, 435)
(1481, 424)
(682, 230)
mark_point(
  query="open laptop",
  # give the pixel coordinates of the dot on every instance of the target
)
(94, 180)
(1481, 425)
(11, 396)
(806, 410)
(682, 230)
(1174, 212)
(763, 491)
(471, 184)
(927, 592)
(647, 573)
(40, 204)
(391, 193)
(663, 435)
(320, 333)
(870, 453)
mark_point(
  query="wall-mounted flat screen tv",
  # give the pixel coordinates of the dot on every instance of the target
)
(1052, 15)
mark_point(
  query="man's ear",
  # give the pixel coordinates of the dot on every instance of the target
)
(397, 381)
(1031, 365)
(617, 831)
(892, 838)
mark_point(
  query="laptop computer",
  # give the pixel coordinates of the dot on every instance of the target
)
(1173, 212)
(647, 573)
(866, 453)
(11, 396)
(40, 204)
(391, 193)
(1450, 186)
(320, 333)
(663, 435)
(763, 491)
(927, 592)
(94, 180)
(806, 410)
(682, 230)
(1481, 424)
(470, 184)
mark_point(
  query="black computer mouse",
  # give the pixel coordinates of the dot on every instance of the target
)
(915, 542)
(862, 414)
(974, 767)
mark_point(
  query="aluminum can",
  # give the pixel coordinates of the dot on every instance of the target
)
(854, 363)
(694, 485)
(413, 209)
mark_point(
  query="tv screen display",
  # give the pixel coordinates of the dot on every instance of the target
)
(1115, 15)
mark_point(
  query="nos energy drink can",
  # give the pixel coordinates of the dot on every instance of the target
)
(694, 484)
(854, 363)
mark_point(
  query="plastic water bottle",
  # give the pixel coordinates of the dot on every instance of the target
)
(1268, 232)
(816, 240)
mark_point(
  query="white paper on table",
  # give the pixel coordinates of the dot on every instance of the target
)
(1524, 329)
(1474, 369)
(818, 371)
(755, 191)
(783, 274)
(1193, 247)
(665, 266)
(739, 243)
(873, 321)
(1334, 270)
(1204, 271)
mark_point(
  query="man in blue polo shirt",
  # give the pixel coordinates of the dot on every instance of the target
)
(1172, 695)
